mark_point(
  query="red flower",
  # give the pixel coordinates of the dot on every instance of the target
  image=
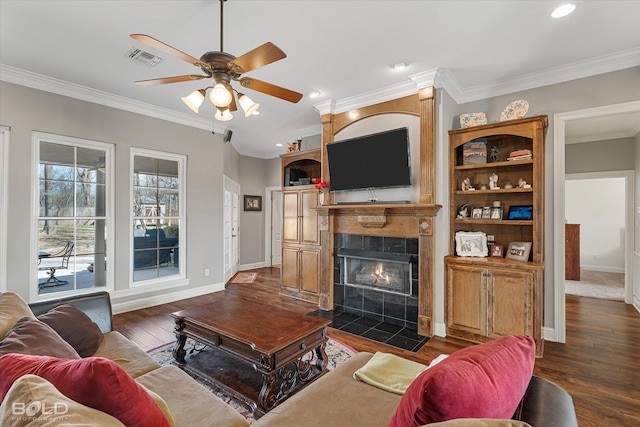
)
(319, 183)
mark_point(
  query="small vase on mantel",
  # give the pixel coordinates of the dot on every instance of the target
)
(321, 198)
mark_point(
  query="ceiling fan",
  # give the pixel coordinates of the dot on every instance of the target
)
(223, 68)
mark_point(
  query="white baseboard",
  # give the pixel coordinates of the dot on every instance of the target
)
(602, 269)
(244, 267)
(441, 330)
(167, 297)
(549, 334)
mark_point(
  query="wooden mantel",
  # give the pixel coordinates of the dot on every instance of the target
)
(393, 220)
(387, 220)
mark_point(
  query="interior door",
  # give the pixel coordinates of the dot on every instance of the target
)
(231, 227)
(276, 227)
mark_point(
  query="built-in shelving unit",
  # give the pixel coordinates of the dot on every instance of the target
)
(488, 297)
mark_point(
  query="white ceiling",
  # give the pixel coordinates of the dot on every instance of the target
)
(345, 49)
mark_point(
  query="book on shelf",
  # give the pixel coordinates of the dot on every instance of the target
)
(523, 157)
(523, 152)
(527, 157)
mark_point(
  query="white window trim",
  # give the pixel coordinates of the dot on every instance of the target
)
(36, 139)
(175, 279)
(5, 136)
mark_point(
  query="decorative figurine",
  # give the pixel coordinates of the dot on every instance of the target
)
(466, 185)
(493, 182)
(523, 184)
(294, 147)
(494, 152)
(463, 212)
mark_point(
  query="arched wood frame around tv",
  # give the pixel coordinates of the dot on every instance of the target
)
(388, 220)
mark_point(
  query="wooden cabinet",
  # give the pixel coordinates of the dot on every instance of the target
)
(300, 234)
(485, 302)
(572, 252)
(488, 297)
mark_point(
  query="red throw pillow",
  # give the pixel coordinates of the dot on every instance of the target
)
(482, 381)
(94, 381)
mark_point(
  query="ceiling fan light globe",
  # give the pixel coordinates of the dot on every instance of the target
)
(223, 114)
(194, 100)
(220, 96)
(247, 104)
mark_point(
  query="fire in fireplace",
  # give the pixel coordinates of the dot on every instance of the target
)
(390, 272)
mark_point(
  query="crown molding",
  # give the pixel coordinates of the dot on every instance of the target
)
(437, 77)
(72, 90)
(576, 70)
(443, 78)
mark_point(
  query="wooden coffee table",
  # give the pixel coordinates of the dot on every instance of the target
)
(257, 353)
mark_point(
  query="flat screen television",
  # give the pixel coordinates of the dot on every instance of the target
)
(379, 160)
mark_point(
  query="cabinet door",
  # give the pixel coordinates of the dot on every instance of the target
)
(466, 301)
(290, 268)
(290, 216)
(309, 217)
(511, 303)
(310, 271)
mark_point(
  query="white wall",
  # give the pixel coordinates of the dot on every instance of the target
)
(598, 205)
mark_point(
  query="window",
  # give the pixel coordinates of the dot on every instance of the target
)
(158, 233)
(74, 214)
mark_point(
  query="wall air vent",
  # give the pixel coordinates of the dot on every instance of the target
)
(143, 57)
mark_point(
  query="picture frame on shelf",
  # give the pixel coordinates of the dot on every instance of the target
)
(486, 212)
(474, 152)
(471, 243)
(496, 250)
(520, 212)
(518, 251)
(476, 213)
(253, 203)
(496, 212)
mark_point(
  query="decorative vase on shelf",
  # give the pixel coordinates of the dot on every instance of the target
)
(321, 198)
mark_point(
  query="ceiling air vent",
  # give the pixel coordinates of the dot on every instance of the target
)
(143, 57)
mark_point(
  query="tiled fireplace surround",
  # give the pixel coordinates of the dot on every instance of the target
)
(388, 307)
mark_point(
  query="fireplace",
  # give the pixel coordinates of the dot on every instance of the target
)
(377, 277)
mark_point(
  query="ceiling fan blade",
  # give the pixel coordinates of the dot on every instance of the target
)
(163, 47)
(233, 106)
(256, 58)
(270, 89)
(174, 79)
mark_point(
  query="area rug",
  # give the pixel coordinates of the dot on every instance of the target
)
(337, 353)
(584, 289)
(244, 278)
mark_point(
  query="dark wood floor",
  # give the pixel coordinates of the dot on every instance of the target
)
(599, 364)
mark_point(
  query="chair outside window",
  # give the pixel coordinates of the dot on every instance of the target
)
(64, 255)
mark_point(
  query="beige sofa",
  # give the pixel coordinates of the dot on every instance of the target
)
(336, 399)
(189, 403)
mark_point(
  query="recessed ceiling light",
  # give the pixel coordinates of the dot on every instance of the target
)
(279, 145)
(563, 10)
(314, 94)
(399, 66)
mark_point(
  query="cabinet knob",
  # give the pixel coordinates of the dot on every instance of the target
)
(303, 346)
